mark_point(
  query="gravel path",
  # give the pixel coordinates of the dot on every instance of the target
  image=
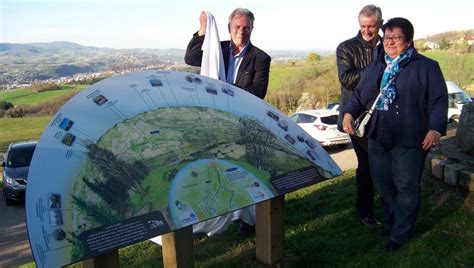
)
(14, 245)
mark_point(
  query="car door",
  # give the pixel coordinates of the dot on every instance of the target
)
(306, 122)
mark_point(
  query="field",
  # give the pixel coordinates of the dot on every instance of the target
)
(30, 97)
(456, 68)
(20, 129)
(285, 72)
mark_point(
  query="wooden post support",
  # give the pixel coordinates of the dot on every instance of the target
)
(106, 260)
(178, 248)
(270, 231)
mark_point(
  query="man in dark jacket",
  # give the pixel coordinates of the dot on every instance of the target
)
(353, 56)
(246, 66)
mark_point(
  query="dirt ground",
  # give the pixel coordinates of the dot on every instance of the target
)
(14, 245)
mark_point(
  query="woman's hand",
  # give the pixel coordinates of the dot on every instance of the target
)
(431, 139)
(348, 124)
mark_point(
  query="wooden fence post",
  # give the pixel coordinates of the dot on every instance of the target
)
(270, 231)
(106, 260)
(178, 248)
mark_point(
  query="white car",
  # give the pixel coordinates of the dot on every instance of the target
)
(322, 125)
(457, 98)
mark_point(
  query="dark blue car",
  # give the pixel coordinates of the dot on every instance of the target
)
(16, 164)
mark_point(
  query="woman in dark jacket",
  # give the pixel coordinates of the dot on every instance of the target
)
(409, 119)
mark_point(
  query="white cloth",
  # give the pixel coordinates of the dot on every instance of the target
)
(212, 64)
(219, 224)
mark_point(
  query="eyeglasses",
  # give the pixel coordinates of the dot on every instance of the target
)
(395, 38)
(236, 28)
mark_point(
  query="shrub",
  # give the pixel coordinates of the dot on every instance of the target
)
(15, 112)
(42, 109)
(5, 105)
(41, 87)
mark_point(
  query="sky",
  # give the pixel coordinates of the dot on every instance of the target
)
(289, 24)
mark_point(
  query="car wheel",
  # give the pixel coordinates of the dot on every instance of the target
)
(343, 146)
(8, 201)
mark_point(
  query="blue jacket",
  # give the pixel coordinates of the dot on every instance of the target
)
(421, 103)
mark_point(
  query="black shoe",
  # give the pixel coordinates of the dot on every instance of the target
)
(369, 221)
(246, 230)
(391, 246)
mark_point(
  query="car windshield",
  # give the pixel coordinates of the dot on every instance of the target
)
(20, 157)
(460, 97)
(329, 120)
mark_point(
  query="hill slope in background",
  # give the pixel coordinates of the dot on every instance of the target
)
(451, 36)
(26, 63)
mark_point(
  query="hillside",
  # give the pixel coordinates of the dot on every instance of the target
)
(451, 36)
(25, 63)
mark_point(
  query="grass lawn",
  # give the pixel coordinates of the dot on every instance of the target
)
(321, 230)
(20, 129)
(30, 97)
(282, 74)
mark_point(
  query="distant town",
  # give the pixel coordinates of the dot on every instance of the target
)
(17, 81)
(66, 62)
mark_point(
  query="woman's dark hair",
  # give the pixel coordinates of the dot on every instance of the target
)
(402, 23)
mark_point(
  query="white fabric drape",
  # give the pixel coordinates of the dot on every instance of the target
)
(212, 64)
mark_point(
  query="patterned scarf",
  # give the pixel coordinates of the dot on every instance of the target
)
(387, 85)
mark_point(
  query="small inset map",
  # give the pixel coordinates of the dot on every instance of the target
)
(210, 187)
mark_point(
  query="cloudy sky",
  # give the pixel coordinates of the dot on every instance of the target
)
(289, 24)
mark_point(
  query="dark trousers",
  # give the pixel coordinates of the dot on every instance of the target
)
(397, 175)
(365, 187)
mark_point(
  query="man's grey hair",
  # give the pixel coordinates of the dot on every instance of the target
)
(371, 10)
(242, 12)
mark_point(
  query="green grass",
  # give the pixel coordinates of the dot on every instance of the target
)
(279, 73)
(20, 129)
(444, 56)
(284, 74)
(30, 97)
(321, 230)
(456, 68)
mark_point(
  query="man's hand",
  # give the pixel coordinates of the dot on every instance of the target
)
(203, 22)
(348, 124)
(431, 139)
